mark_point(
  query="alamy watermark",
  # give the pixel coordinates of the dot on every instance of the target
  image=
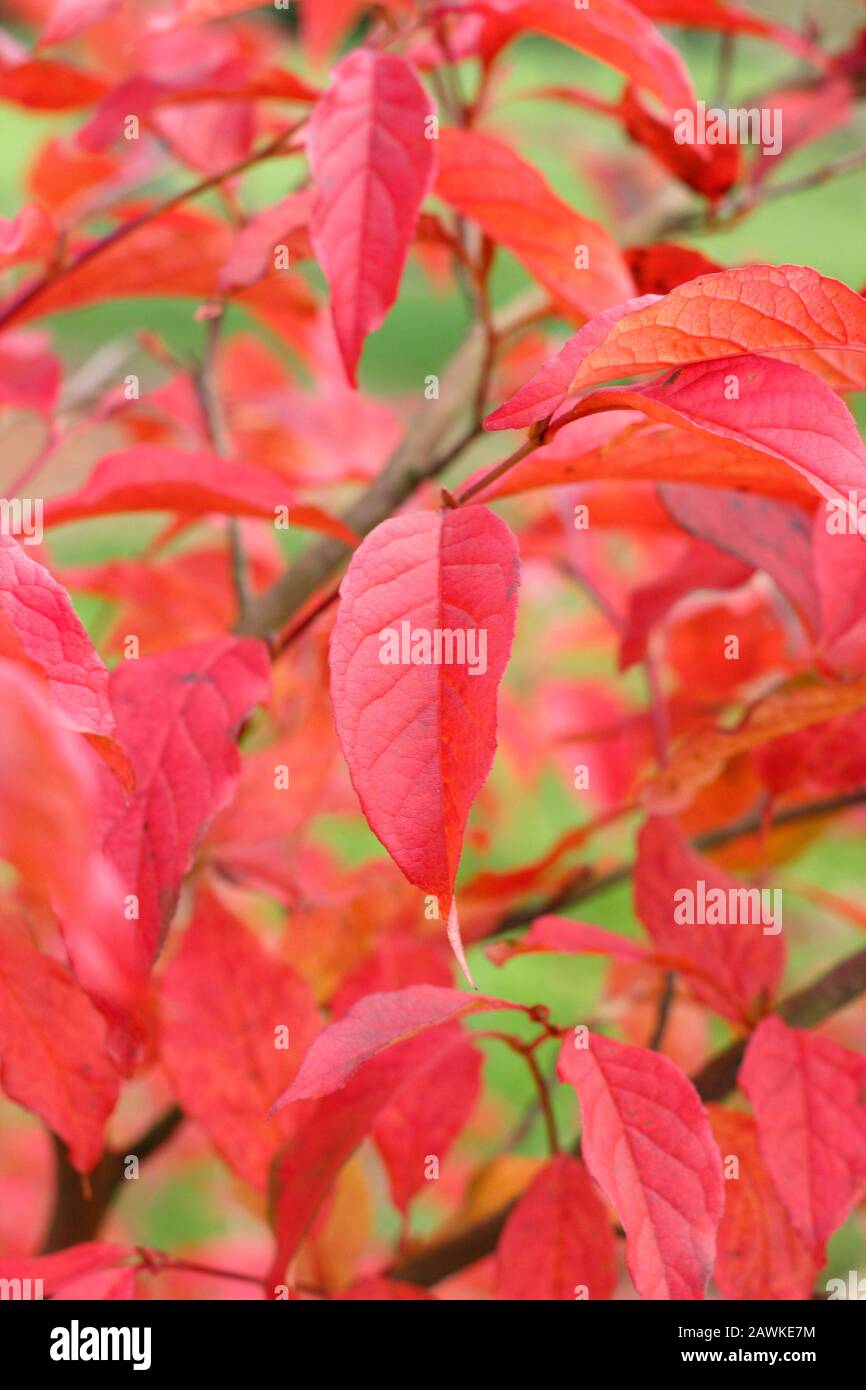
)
(740, 125)
(728, 907)
(22, 517)
(436, 646)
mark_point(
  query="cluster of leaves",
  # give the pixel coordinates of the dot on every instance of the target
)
(181, 937)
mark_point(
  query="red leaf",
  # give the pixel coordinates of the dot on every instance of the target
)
(618, 445)
(252, 256)
(737, 963)
(485, 180)
(709, 169)
(663, 266)
(177, 717)
(372, 163)
(542, 395)
(425, 1117)
(374, 1023)
(647, 1143)
(40, 628)
(419, 739)
(224, 996)
(779, 409)
(148, 477)
(48, 818)
(807, 1095)
(615, 33)
(563, 935)
(768, 534)
(760, 1256)
(52, 1043)
(765, 309)
(557, 1241)
(49, 86)
(66, 18)
(69, 1271)
(700, 566)
(178, 253)
(305, 1170)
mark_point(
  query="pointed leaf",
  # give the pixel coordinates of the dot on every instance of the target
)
(224, 1000)
(557, 1243)
(373, 1024)
(419, 739)
(738, 960)
(647, 1143)
(372, 162)
(486, 181)
(52, 1049)
(177, 716)
(807, 1093)
(761, 1256)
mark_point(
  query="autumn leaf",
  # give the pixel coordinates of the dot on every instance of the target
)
(178, 716)
(147, 477)
(761, 1256)
(419, 737)
(807, 1095)
(235, 1022)
(39, 627)
(377, 1022)
(574, 257)
(647, 1143)
(372, 159)
(52, 1042)
(557, 1243)
(737, 951)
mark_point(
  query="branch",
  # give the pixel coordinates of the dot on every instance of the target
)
(80, 1203)
(584, 885)
(829, 993)
(430, 444)
(33, 291)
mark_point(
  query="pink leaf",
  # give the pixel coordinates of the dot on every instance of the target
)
(425, 1117)
(178, 717)
(252, 256)
(334, 1127)
(39, 627)
(807, 1095)
(419, 737)
(374, 1023)
(737, 965)
(52, 1044)
(224, 997)
(570, 938)
(779, 409)
(647, 1143)
(769, 534)
(372, 164)
(548, 388)
(66, 18)
(147, 477)
(557, 1243)
(30, 375)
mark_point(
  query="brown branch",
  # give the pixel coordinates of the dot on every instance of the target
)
(80, 1204)
(583, 884)
(841, 985)
(33, 291)
(429, 446)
